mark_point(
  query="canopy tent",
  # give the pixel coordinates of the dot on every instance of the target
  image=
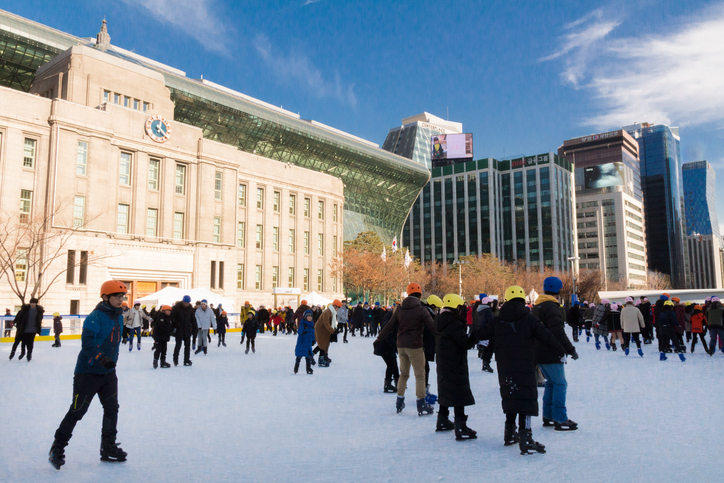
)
(171, 295)
(313, 298)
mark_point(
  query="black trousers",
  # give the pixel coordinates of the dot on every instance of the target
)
(344, 338)
(444, 411)
(194, 334)
(222, 337)
(667, 337)
(57, 340)
(250, 340)
(392, 372)
(694, 335)
(523, 420)
(85, 387)
(186, 341)
(28, 340)
(627, 336)
(488, 352)
(161, 346)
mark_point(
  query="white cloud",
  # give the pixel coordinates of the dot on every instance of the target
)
(197, 18)
(675, 77)
(299, 67)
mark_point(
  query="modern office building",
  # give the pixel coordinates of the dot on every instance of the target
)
(413, 138)
(660, 157)
(703, 241)
(518, 210)
(609, 205)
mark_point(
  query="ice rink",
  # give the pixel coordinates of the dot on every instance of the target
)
(237, 417)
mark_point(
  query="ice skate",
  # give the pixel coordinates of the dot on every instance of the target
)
(625, 351)
(527, 444)
(56, 456)
(296, 367)
(187, 363)
(682, 357)
(155, 363)
(566, 426)
(165, 365)
(548, 423)
(423, 408)
(400, 404)
(430, 398)
(443, 423)
(389, 388)
(640, 352)
(462, 432)
(487, 368)
(662, 356)
(510, 437)
(112, 453)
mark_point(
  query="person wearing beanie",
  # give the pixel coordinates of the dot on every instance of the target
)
(550, 313)
(410, 319)
(632, 321)
(183, 321)
(251, 326)
(57, 328)
(305, 341)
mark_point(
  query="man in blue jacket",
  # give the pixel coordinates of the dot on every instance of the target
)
(95, 373)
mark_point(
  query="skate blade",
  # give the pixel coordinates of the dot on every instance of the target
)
(108, 459)
(465, 438)
(566, 429)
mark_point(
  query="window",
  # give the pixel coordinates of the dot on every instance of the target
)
(180, 179)
(258, 278)
(178, 226)
(106, 96)
(221, 275)
(122, 219)
(260, 198)
(320, 280)
(241, 234)
(70, 267)
(291, 277)
(275, 276)
(320, 244)
(241, 194)
(334, 246)
(240, 285)
(320, 209)
(151, 222)
(334, 213)
(21, 265)
(30, 149)
(292, 240)
(26, 203)
(306, 243)
(126, 101)
(136, 103)
(275, 238)
(116, 98)
(277, 201)
(154, 168)
(218, 185)
(212, 276)
(217, 229)
(74, 307)
(81, 158)
(78, 211)
(259, 237)
(146, 106)
(306, 279)
(83, 272)
(307, 207)
(292, 204)
(124, 169)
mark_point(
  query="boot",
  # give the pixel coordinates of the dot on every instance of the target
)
(443, 423)
(430, 398)
(566, 426)
(527, 444)
(423, 408)
(22, 354)
(462, 432)
(224, 343)
(640, 352)
(155, 363)
(309, 366)
(548, 423)
(662, 356)
(400, 404)
(487, 368)
(511, 435)
(56, 456)
(613, 346)
(12, 354)
(165, 365)
(296, 366)
(198, 350)
(389, 388)
(205, 350)
(112, 453)
(187, 363)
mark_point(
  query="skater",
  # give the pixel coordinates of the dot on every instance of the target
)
(387, 349)
(27, 324)
(516, 331)
(276, 320)
(549, 311)
(162, 326)
(614, 325)
(222, 322)
(133, 320)
(483, 316)
(205, 320)
(648, 332)
(8, 322)
(95, 373)
(666, 324)
(323, 329)
(574, 318)
(409, 319)
(428, 345)
(250, 327)
(600, 329)
(714, 320)
(57, 328)
(182, 317)
(632, 321)
(453, 379)
(263, 317)
(342, 320)
(698, 324)
(305, 341)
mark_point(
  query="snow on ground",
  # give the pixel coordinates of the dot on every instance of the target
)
(242, 417)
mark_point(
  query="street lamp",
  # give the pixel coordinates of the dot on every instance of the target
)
(573, 270)
(460, 275)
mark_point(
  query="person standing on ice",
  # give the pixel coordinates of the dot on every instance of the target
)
(27, 324)
(323, 330)
(550, 313)
(182, 317)
(250, 327)
(613, 322)
(222, 322)
(632, 322)
(410, 319)
(205, 320)
(600, 329)
(95, 373)
(134, 322)
(516, 331)
(162, 327)
(666, 324)
(342, 320)
(698, 322)
(715, 321)
(305, 341)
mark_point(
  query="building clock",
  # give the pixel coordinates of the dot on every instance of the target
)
(157, 128)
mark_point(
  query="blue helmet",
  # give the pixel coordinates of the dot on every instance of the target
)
(187, 299)
(481, 296)
(307, 313)
(552, 285)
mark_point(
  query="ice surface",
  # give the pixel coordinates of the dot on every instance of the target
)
(238, 417)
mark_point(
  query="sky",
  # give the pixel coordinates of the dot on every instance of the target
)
(521, 76)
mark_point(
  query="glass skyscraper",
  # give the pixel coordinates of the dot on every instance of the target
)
(413, 139)
(700, 198)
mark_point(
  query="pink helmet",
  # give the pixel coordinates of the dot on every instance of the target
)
(714, 299)
(646, 299)
(486, 300)
(629, 300)
(591, 304)
(614, 306)
(605, 301)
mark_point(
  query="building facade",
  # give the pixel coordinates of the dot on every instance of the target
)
(413, 138)
(518, 210)
(609, 205)
(95, 149)
(660, 157)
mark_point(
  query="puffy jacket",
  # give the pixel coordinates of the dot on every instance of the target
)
(550, 313)
(698, 321)
(205, 319)
(183, 319)
(410, 319)
(222, 322)
(57, 325)
(666, 319)
(162, 327)
(21, 319)
(305, 338)
(632, 320)
(323, 328)
(100, 339)
(714, 315)
(453, 380)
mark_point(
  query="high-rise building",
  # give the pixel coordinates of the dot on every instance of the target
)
(609, 205)
(518, 210)
(663, 199)
(703, 242)
(413, 138)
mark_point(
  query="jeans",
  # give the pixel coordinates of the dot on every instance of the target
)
(554, 397)
(715, 332)
(416, 358)
(136, 331)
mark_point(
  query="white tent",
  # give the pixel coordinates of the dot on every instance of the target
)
(171, 295)
(316, 299)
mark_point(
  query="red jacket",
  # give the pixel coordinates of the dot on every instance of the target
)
(698, 320)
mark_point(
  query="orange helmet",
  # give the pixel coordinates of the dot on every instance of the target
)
(676, 300)
(337, 303)
(124, 304)
(413, 288)
(113, 286)
(165, 307)
(223, 312)
(304, 302)
(246, 302)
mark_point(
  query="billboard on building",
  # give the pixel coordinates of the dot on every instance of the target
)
(604, 176)
(452, 146)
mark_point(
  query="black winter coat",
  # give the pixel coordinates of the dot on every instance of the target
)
(251, 326)
(222, 322)
(666, 319)
(183, 319)
(162, 326)
(574, 316)
(262, 315)
(429, 342)
(299, 313)
(645, 309)
(550, 313)
(387, 345)
(515, 332)
(21, 319)
(453, 379)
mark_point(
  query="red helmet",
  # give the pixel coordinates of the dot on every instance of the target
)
(413, 288)
(337, 303)
(304, 302)
(113, 286)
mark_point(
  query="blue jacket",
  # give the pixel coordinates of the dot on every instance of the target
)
(101, 337)
(305, 338)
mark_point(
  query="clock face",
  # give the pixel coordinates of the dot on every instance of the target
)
(157, 128)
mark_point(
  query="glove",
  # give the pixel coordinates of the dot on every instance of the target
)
(108, 363)
(574, 356)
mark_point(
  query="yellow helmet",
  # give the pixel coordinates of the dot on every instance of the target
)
(669, 303)
(56, 314)
(514, 292)
(435, 301)
(452, 301)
